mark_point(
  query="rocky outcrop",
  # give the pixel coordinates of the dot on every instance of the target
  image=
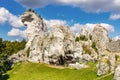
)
(59, 46)
(60, 43)
(35, 26)
(100, 40)
(53, 47)
(19, 57)
(114, 46)
(117, 72)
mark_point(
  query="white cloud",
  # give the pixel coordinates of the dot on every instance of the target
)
(17, 33)
(53, 22)
(94, 6)
(90, 27)
(116, 38)
(109, 27)
(6, 16)
(76, 27)
(115, 16)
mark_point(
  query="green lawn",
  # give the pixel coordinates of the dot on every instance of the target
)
(34, 71)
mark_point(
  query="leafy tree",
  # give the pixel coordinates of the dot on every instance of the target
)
(8, 48)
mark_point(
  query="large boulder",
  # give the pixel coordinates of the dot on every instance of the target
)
(100, 38)
(103, 66)
(112, 61)
(18, 57)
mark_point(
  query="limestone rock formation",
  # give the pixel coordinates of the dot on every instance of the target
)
(100, 37)
(60, 43)
(59, 46)
(35, 26)
(53, 47)
(112, 61)
(35, 32)
(114, 46)
(88, 51)
(19, 57)
(117, 73)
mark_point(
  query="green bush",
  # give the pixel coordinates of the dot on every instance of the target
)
(94, 46)
(77, 39)
(83, 38)
(28, 52)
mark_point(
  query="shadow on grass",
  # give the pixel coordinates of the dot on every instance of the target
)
(4, 77)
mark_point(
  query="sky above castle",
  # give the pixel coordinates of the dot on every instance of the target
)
(74, 13)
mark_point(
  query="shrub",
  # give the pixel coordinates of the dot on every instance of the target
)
(94, 46)
(28, 52)
(83, 38)
(77, 39)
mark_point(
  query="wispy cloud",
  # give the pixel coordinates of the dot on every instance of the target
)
(115, 16)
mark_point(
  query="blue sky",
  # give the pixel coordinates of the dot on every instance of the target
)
(75, 13)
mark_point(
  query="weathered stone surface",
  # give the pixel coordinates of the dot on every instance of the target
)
(78, 66)
(19, 57)
(112, 61)
(114, 46)
(78, 51)
(117, 72)
(35, 26)
(103, 68)
(100, 37)
(35, 32)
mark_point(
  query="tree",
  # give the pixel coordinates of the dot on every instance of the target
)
(8, 48)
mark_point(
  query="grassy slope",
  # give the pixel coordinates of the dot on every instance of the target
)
(34, 71)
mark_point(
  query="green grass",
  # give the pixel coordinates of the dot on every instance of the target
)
(34, 71)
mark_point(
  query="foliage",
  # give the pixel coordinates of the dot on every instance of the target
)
(83, 38)
(94, 46)
(28, 51)
(90, 37)
(4, 65)
(110, 39)
(8, 48)
(77, 39)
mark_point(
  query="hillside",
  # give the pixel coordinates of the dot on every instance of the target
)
(34, 71)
